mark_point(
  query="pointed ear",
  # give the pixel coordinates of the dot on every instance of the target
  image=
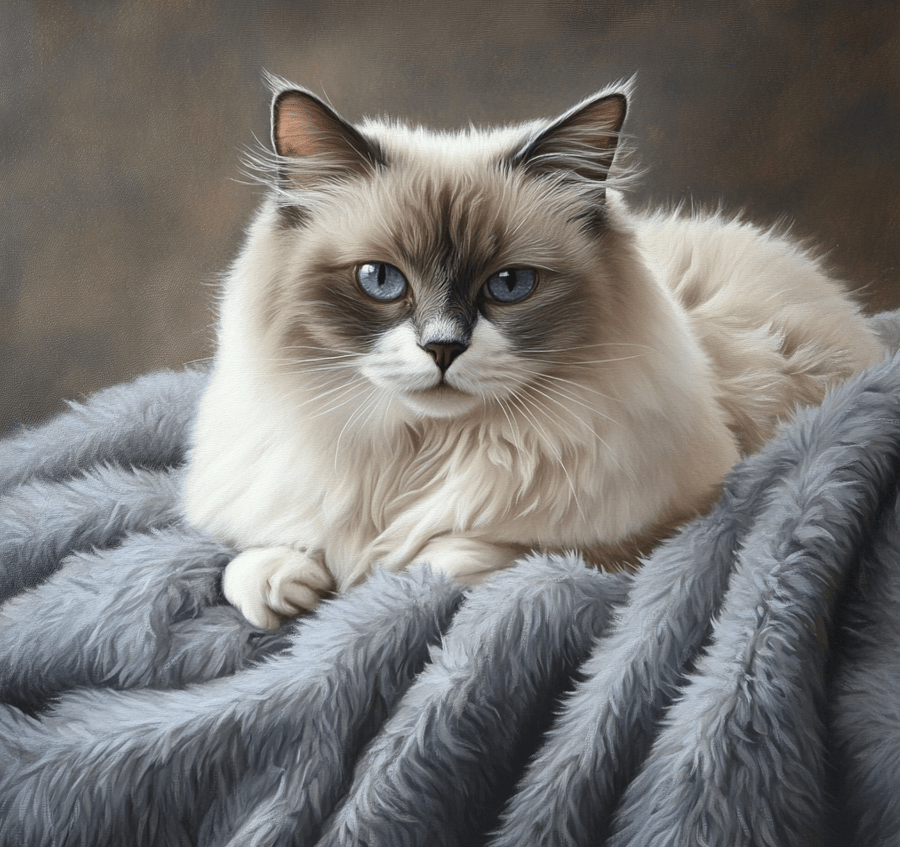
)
(321, 145)
(581, 144)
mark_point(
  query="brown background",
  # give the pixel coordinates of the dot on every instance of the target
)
(122, 126)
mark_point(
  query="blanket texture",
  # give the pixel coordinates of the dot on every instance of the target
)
(743, 688)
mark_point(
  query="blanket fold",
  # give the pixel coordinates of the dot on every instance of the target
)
(743, 688)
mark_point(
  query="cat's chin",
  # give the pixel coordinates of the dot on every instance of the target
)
(442, 401)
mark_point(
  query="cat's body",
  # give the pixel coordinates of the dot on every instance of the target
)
(357, 418)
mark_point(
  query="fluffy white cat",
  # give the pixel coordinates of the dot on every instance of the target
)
(456, 348)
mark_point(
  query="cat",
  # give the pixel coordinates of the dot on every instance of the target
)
(455, 348)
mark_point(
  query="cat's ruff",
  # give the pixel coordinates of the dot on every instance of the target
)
(595, 410)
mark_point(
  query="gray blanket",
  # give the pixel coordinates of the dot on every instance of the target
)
(743, 688)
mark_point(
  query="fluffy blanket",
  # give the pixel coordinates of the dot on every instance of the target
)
(743, 688)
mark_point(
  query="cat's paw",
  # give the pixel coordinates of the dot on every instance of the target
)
(267, 584)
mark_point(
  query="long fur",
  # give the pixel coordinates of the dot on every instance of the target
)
(695, 713)
(599, 414)
(661, 741)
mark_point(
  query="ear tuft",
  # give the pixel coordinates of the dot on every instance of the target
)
(318, 142)
(581, 144)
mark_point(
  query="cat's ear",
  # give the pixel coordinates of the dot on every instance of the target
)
(315, 143)
(579, 145)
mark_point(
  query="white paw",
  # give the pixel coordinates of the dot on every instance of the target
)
(270, 583)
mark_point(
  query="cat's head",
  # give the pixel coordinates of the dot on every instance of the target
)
(446, 271)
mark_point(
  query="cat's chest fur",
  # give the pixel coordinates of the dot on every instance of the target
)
(263, 474)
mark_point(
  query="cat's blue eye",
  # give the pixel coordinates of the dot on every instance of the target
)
(381, 281)
(511, 284)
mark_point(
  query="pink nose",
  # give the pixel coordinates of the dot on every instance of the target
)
(444, 352)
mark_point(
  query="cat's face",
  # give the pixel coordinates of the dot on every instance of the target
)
(444, 272)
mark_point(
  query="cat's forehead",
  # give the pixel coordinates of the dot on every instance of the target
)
(458, 216)
(471, 145)
(443, 195)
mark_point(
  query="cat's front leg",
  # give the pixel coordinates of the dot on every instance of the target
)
(469, 561)
(267, 584)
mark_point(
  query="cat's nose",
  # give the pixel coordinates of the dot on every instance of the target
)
(444, 352)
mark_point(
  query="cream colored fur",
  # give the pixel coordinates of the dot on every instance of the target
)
(322, 464)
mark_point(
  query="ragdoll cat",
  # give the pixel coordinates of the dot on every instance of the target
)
(456, 348)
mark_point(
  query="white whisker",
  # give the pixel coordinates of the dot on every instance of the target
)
(375, 406)
(330, 350)
(588, 361)
(569, 396)
(609, 451)
(563, 406)
(513, 426)
(341, 368)
(579, 386)
(298, 389)
(370, 397)
(554, 452)
(586, 347)
(334, 405)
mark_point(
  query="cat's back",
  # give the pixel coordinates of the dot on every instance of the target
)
(777, 329)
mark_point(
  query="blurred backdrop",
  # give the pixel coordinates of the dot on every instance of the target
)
(122, 126)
